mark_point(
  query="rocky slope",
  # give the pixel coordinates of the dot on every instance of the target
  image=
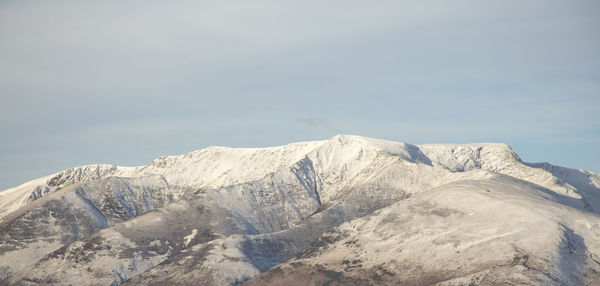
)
(222, 216)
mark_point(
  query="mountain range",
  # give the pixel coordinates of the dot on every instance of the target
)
(349, 210)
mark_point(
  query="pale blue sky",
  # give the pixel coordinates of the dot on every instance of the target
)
(123, 82)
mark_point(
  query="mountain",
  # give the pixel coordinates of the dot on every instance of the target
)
(348, 210)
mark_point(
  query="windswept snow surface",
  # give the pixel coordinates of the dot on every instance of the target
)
(223, 216)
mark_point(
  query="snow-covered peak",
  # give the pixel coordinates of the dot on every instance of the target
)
(13, 198)
(355, 143)
(214, 167)
(465, 157)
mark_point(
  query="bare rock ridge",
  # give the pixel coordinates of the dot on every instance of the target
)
(349, 210)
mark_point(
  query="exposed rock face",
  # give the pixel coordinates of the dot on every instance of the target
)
(349, 210)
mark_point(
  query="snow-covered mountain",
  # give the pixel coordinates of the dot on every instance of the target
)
(345, 210)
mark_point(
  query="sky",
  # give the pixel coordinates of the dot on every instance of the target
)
(123, 82)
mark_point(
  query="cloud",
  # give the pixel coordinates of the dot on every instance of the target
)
(317, 122)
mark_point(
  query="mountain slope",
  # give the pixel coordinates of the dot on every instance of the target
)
(100, 191)
(493, 231)
(75, 212)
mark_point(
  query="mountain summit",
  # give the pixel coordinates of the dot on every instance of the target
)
(349, 210)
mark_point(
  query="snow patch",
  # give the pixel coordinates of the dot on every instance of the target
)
(190, 237)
